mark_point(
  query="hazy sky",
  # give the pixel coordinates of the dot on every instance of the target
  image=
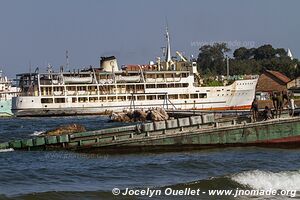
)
(40, 31)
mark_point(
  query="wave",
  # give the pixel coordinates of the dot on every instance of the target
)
(212, 183)
(256, 179)
(37, 133)
(63, 195)
(6, 150)
(264, 180)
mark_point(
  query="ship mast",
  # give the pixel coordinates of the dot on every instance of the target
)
(168, 53)
(67, 60)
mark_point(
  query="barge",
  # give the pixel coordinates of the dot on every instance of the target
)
(195, 132)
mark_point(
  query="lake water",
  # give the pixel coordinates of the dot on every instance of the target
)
(69, 175)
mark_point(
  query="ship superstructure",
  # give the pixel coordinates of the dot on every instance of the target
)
(7, 91)
(173, 84)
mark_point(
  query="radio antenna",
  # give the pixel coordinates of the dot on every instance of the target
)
(67, 60)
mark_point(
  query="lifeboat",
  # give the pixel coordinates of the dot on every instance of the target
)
(70, 79)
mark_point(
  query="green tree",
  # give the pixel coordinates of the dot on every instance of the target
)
(211, 59)
(264, 52)
(281, 52)
(243, 53)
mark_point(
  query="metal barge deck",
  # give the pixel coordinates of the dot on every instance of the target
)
(195, 132)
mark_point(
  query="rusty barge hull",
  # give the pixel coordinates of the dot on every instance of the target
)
(275, 133)
(195, 132)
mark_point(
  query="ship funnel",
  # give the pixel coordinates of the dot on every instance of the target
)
(109, 64)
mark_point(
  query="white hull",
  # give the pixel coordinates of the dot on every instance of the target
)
(5, 108)
(7, 91)
(237, 96)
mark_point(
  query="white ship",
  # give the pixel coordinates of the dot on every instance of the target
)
(173, 84)
(7, 91)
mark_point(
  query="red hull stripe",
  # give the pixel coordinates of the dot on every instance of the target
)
(247, 107)
(292, 139)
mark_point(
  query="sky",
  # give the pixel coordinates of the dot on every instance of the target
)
(38, 32)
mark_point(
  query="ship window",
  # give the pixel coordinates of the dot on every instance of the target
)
(59, 100)
(74, 100)
(161, 96)
(102, 99)
(150, 86)
(46, 100)
(185, 85)
(1, 106)
(161, 85)
(159, 75)
(140, 98)
(111, 98)
(82, 99)
(150, 76)
(169, 76)
(184, 74)
(130, 88)
(176, 75)
(109, 77)
(71, 88)
(102, 76)
(194, 96)
(202, 95)
(140, 87)
(58, 89)
(81, 88)
(93, 99)
(184, 96)
(151, 97)
(131, 98)
(171, 85)
(92, 88)
(122, 98)
(173, 96)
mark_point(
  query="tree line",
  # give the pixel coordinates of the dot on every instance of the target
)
(211, 60)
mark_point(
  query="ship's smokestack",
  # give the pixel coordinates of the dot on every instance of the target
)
(109, 64)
